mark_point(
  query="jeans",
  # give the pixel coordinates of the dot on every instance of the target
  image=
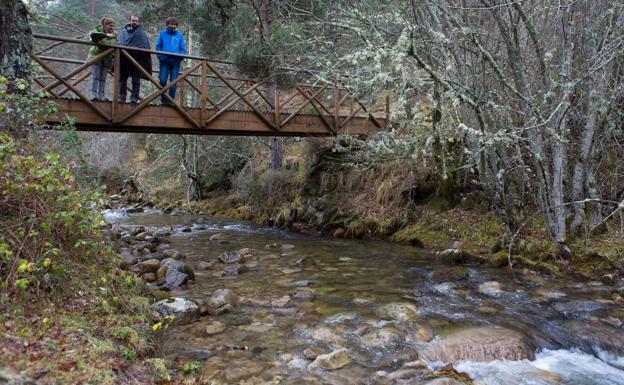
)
(98, 81)
(123, 87)
(169, 71)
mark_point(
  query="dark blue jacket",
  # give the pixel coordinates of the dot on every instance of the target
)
(170, 42)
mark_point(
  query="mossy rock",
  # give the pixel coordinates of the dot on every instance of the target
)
(499, 259)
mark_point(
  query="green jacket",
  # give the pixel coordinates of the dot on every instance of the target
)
(98, 36)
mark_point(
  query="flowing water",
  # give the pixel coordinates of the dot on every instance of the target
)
(337, 290)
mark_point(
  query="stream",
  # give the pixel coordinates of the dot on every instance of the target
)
(398, 312)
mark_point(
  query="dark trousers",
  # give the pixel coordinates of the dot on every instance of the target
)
(123, 87)
(169, 71)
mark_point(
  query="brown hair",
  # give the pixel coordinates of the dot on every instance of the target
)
(106, 21)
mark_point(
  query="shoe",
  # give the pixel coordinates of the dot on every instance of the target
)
(121, 100)
(105, 100)
(134, 101)
(94, 99)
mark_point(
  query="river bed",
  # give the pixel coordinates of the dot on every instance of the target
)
(399, 314)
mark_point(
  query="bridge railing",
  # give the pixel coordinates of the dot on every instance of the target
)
(212, 86)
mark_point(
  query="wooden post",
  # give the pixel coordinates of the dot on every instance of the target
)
(336, 107)
(202, 100)
(116, 77)
(181, 91)
(277, 107)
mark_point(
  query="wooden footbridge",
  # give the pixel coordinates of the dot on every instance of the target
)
(213, 99)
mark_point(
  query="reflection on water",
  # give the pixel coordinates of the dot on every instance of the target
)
(337, 290)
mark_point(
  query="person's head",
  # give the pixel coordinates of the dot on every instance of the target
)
(134, 20)
(108, 24)
(171, 23)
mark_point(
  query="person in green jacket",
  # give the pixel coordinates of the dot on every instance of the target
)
(102, 35)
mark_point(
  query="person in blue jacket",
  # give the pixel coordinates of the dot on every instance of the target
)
(170, 40)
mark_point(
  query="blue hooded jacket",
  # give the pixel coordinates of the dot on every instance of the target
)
(170, 42)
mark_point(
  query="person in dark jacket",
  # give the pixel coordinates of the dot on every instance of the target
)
(133, 35)
(170, 40)
(102, 35)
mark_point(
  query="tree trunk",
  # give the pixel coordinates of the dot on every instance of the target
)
(561, 127)
(15, 40)
(277, 146)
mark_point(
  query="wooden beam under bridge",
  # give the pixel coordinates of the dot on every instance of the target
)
(166, 120)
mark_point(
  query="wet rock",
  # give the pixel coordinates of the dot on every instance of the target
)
(582, 309)
(339, 233)
(197, 227)
(149, 277)
(384, 338)
(444, 288)
(443, 381)
(491, 288)
(183, 309)
(174, 254)
(287, 246)
(186, 229)
(258, 327)
(144, 245)
(299, 283)
(222, 301)
(219, 238)
(312, 353)
(399, 311)
(149, 266)
(343, 317)
(305, 261)
(455, 256)
(479, 344)
(448, 274)
(326, 334)
(175, 265)
(205, 265)
(143, 235)
(401, 374)
(235, 269)
(174, 279)
(134, 209)
(214, 327)
(331, 361)
(242, 370)
(593, 338)
(304, 295)
(162, 233)
(282, 302)
(154, 255)
(127, 260)
(231, 257)
(271, 246)
(9, 376)
(362, 330)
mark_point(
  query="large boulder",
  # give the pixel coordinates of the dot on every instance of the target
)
(149, 266)
(398, 311)
(479, 344)
(331, 361)
(183, 309)
(222, 301)
(173, 264)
